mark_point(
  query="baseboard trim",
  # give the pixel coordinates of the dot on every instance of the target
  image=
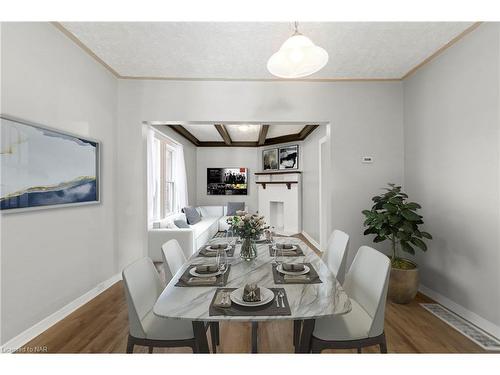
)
(468, 315)
(311, 240)
(18, 341)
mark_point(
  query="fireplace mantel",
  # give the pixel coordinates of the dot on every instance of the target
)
(287, 183)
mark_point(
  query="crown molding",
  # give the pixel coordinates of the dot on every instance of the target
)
(78, 42)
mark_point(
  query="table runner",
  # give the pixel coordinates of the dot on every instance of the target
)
(313, 276)
(268, 309)
(221, 280)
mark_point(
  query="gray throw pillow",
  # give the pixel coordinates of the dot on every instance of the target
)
(192, 215)
(232, 207)
(181, 224)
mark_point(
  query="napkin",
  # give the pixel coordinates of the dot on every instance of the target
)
(219, 246)
(294, 278)
(251, 293)
(202, 280)
(284, 246)
(207, 268)
(292, 267)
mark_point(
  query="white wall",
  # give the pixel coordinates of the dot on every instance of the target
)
(452, 150)
(366, 119)
(230, 157)
(50, 257)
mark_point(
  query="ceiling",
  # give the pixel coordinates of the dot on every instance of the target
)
(241, 134)
(230, 50)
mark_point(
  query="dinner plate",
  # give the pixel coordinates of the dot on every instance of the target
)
(193, 272)
(294, 247)
(209, 248)
(280, 270)
(266, 296)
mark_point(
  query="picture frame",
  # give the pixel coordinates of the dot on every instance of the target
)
(44, 168)
(289, 157)
(270, 159)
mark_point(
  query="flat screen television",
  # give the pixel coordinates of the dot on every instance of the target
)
(227, 181)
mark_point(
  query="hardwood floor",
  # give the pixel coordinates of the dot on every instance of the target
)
(101, 326)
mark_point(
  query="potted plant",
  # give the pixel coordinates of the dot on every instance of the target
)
(249, 228)
(395, 219)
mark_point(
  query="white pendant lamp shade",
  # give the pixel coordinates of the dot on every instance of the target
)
(297, 57)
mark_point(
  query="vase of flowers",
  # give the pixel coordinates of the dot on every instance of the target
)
(249, 227)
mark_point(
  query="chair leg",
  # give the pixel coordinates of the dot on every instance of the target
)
(150, 349)
(297, 326)
(130, 344)
(315, 347)
(383, 344)
(213, 336)
(359, 350)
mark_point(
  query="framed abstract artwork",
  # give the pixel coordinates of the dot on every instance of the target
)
(289, 157)
(46, 168)
(270, 159)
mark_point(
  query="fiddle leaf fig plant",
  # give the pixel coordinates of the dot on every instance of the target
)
(395, 219)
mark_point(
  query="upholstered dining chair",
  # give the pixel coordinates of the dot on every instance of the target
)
(335, 255)
(173, 260)
(143, 286)
(366, 284)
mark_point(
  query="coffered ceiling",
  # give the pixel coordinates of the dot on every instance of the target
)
(240, 50)
(241, 135)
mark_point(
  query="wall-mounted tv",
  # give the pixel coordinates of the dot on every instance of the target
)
(227, 181)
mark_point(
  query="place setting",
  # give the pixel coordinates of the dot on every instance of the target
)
(294, 273)
(285, 249)
(207, 274)
(250, 300)
(210, 250)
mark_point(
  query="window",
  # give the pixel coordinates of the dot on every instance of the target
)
(163, 179)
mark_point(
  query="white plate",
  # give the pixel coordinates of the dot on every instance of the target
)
(209, 248)
(266, 296)
(290, 249)
(193, 272)
(280, 270)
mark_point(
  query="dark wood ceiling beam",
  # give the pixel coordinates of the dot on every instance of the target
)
(263, 134)
(223, 144)
(306, 130)
(179, 129)
(224, 134)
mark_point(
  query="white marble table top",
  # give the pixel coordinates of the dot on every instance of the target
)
(307, 301)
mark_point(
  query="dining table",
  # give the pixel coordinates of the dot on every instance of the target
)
(306, 302)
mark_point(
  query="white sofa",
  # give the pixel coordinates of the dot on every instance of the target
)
(213, 219)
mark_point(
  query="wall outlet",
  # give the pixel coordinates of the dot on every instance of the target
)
(367, 159)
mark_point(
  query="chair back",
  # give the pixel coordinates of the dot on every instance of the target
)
(173, 257)
(143, 286)
(335, 255)
(367, 282)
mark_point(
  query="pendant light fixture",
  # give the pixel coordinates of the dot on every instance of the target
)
(298, 57)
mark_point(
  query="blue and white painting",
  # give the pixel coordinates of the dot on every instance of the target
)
(43, 167)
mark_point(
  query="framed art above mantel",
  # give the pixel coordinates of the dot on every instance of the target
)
(46, 168)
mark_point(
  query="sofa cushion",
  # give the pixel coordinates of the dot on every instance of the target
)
(211, 211)
(192, 215)
(181, 224)
(203, 225)
(232, 207)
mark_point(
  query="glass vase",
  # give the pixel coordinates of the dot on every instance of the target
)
(248, 250)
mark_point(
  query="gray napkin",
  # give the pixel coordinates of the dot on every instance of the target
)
(206, 268)
(202, 280)
(292, 267)
(284, 246)
(219, 246)
(251, 293)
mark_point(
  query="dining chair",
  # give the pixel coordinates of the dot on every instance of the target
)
(173, 260)
(143, 286)
(366, 285)
(335, 255)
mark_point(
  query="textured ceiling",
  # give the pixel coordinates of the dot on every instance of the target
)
(225, 50)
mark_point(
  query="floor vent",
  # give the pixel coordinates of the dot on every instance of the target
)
(467, 329)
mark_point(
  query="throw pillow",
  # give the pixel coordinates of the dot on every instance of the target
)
(181, 224)
(192, 215)
(232, 207)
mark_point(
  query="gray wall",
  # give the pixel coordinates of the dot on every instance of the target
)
(452, 119)
(51, 257)
(366, 119)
